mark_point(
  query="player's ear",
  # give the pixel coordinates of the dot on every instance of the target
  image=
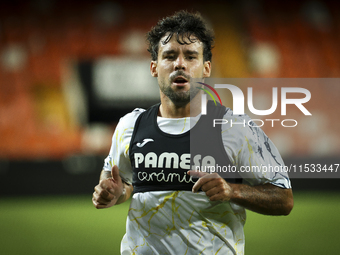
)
(207, 69)
(153, 68)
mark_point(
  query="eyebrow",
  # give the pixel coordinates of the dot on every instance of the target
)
(190, 52)
(168, 52)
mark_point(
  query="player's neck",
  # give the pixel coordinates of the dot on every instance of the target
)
(169, 110)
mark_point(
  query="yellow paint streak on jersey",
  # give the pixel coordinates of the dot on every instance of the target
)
(187, 245)
(239, 152)
(127, 146)
(155, 209)
(238, 240)
(251, 153)
(116, 139)
(250, 148)
(199, 239)
(225, 213)
(235, 246)
(138, 210)
(189, 220)
(237, 156)
(202, 251)
(121, 137)
(223, 225)
(219, 249)
(133, 251)
(226, 129)
(185, 121)
(174, 210)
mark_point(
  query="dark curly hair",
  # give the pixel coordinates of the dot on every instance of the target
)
(184, 24)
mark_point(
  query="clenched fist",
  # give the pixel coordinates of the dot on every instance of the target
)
(214, 186)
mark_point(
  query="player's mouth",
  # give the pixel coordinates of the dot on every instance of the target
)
(180, 81)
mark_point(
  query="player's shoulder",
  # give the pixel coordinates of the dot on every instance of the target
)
(129, 119)
(236, 120)
(240, 124)
(133, 114)
(229, 115)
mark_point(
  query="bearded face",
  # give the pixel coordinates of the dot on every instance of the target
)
(175, 67)
(178, 96)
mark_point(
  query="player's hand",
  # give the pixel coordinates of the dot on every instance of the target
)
(108, 191)
(214, 186)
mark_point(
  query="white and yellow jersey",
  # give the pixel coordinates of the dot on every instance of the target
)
(182, 222)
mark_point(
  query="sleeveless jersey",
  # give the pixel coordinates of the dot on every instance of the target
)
(160, 161)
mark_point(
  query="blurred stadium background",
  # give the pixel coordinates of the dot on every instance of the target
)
(70, 69)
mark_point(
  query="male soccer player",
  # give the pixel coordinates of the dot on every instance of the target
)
(175, 210)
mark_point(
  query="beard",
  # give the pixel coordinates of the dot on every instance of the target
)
(179, 98)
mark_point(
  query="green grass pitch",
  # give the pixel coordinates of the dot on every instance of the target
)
(71, 225)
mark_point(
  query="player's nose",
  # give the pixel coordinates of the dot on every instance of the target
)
(180, 63)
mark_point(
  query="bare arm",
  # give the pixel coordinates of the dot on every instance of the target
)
(265, 199)
(111, 190)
